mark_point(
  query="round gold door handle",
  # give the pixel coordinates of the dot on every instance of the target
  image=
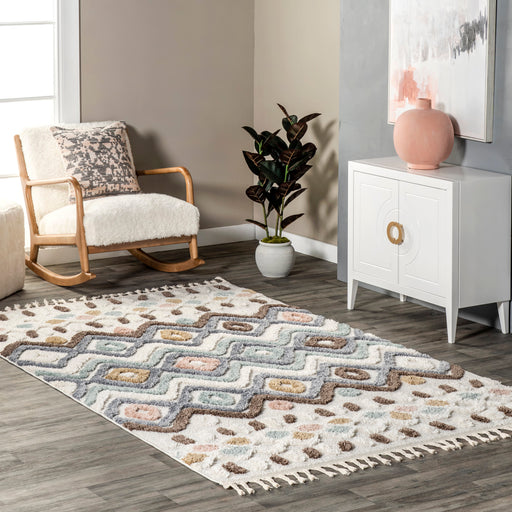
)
(400, 238)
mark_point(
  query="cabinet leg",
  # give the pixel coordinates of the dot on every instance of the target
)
(451, 322)
(504, 314)
(352, 285)
(403, 298)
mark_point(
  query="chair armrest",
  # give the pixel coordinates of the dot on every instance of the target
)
(79, 199)
(169, 170)
(55, 181)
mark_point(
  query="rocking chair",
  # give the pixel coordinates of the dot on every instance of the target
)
(128, 221)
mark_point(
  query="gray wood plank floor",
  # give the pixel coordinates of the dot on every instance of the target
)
(56, 455)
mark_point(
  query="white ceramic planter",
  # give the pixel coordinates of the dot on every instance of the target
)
(275, 260)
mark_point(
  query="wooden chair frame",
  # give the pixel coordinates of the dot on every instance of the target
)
(78, 238)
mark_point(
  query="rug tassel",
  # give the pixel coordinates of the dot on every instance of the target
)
(382, 460)
(300, 478)
(287, 480)
(470, 441)
(273, 483)
(483, 437)
(370, 462)
(360, 465)
(444, 446)
(246, 488)
(310, 475)
(261, 483)
(349, 468)
(341, 469)
(325, 471)
(502, 434)
(394, 456)
(239, 491)
(407, 454)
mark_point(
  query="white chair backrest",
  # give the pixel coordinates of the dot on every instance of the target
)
(43, 160)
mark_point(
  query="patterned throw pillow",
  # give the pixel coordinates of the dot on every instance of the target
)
(99, 158)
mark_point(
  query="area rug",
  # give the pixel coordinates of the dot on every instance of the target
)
(247, 391)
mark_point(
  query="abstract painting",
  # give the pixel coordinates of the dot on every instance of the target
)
(444, 50)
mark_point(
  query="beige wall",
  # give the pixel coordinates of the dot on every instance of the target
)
(180, 72)
(297, 55)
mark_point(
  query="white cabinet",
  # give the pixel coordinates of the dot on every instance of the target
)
(439, 236)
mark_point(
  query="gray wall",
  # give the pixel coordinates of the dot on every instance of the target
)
(180, 72)
(364, 132)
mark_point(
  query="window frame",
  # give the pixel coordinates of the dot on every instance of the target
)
(68, 61)
(67, 65)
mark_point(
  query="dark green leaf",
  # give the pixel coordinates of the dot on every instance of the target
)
(297, 173)
(251, 131)
(288, 156)
(298, 164)
(283, 109)
(268, 135)
(253, 160)
(274, 199)
(308, 151)
(296, 144)
(296, 131)
(256, 193)
(308, 118)
(273, 171)
(270, 141)
(275, 141)
(288, 122)
(294, 196)
(265, 183)
(292, 218)
(260, 224)
(286, 188)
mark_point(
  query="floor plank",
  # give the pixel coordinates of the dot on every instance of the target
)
(57, 455)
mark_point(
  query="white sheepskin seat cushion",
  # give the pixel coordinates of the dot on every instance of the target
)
(12, 251)
(126, 218)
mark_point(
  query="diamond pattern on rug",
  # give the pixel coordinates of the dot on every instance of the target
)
(248, 391)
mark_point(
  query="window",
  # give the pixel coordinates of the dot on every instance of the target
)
(39, 66)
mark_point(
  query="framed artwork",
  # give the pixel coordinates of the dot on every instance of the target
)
(444, 50)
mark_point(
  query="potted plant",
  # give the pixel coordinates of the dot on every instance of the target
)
(278, 164)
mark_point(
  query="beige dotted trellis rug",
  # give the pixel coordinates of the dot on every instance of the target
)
(247, 391)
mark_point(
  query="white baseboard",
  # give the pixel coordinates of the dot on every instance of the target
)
(208, 236)
(304, 245)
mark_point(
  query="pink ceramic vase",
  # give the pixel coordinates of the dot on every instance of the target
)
(423, 136)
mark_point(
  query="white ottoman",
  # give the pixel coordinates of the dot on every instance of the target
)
(12, 250)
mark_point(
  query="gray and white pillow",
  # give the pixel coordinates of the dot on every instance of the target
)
(99, 158)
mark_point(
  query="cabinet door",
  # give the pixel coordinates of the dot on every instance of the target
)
(425, 256)
(375, 205)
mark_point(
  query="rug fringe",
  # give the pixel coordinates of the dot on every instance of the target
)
(349, 466)
(82, 298)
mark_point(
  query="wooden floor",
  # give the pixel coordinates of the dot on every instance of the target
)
(56, 455)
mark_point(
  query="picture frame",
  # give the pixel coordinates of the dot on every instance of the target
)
(444, 50)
